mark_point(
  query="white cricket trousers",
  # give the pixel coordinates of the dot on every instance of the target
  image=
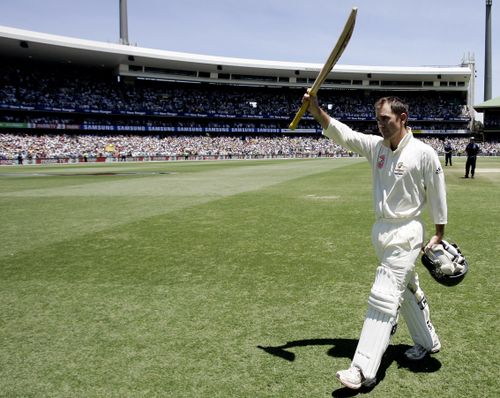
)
(397, 244)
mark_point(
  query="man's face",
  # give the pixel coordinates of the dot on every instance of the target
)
(389, 124)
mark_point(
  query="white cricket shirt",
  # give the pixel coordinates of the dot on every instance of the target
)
(404, 179)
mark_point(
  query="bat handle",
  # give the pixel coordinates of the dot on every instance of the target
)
(298, 116)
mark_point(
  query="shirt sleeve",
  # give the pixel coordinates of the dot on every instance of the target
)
(435, 188)
(343, 135)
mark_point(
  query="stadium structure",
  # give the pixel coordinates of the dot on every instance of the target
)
(60, 85)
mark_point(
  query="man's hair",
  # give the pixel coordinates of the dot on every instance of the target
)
(397, 105)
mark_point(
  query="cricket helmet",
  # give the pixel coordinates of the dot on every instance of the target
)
(445, 263)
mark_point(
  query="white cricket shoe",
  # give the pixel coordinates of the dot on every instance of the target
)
(353, 378)
(417, 352)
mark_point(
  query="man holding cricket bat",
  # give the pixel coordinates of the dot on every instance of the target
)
(406, 174)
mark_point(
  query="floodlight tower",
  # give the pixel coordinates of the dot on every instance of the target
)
(487, 52)
(123, 23)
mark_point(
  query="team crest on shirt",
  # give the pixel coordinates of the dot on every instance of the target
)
(381, 161)
(400, 169)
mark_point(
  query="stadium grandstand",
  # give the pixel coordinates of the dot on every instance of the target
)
(491, 111)
(69, 100)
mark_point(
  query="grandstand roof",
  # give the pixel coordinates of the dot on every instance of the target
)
(493, 103)
(41, 46)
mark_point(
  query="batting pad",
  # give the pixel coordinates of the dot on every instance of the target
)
(373, 342)
(384, 295)
(380, 321)
(416, 313)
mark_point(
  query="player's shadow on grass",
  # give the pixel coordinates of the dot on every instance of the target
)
(344, 348)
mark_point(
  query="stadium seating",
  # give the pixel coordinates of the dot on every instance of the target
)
(75, 113)
(77, 98)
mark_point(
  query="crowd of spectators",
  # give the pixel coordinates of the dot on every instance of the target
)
(88, 92)
(58, 146)
(488, 148)
(191, 119)
(133, 146)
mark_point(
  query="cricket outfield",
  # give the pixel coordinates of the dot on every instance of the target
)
(225, 279)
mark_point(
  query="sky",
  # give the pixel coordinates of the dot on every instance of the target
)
(387, 32)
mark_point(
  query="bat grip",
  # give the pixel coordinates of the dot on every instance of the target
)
(298, 116)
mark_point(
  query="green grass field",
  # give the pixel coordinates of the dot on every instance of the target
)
(225, 279)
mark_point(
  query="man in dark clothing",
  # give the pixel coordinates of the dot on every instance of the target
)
(448, 150)
(472, 149)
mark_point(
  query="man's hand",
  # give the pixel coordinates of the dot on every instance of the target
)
(438, 237)
(315, 110)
